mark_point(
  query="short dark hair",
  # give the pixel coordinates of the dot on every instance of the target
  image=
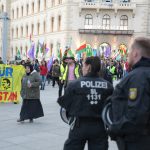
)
(95, 63)
(7, 80)
(143, 44)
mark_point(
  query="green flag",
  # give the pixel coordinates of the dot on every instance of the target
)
(18, 54)
(88, 50)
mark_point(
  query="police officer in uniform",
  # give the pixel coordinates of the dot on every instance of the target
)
(83, 100)
(131, 101)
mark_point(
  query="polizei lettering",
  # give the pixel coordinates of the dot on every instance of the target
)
(94, 84)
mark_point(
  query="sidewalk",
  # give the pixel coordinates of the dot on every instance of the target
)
(47, 133)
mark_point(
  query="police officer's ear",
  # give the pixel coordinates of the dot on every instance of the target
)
(89, 68)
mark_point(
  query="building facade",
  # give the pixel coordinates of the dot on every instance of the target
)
(61, 23)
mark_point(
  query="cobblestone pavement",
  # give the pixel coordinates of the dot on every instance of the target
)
(47, 133)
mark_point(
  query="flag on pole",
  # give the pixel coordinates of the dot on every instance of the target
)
(50, 63)
(42, 47)
(81, 49)
(46, 49)
(31, 51)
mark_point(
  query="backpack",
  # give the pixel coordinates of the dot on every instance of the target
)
(56, 71)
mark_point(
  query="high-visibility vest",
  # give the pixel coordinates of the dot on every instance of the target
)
(62, 70)
(76, 72)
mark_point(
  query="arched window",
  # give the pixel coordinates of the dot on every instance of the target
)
(27, 9)
(59, 23)
(106, 22)
(38, 28)
(21, 10)
(124, 22)
(88, 19)
(12, 13)
(21, 31)
(32, 7)
(17, 32)
(17, 12)
(39, 3)
(52, 24)
(32, 29)
(26, 30)
(44, 26)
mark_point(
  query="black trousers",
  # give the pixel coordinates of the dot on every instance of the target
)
(140, 143)
(91, 132)
(60, 88)
(55, 79)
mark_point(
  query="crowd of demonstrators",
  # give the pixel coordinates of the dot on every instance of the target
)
(30, 93)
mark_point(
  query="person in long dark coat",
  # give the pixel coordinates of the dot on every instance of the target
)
(30, 93)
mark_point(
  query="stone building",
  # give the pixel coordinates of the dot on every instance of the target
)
(61, 23)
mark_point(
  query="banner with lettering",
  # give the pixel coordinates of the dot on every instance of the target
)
(10, 82)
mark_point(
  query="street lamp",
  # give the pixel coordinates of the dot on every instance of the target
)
(4, 18)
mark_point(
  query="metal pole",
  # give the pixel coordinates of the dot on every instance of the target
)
(5, 19)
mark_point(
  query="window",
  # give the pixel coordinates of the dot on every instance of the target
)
(32, 29)
(51, 49)
(21, 31)
(38, 28)
(32, 7)
(17, 12)
(17, 32)
(21, 50)
(26, 49)
(44, 27)
(106, 22)
(88, 19)
(2, 8)
(59, 23)
(12, 52)
(124, 1)
(26, 30)
(124, 22)
(59, 1)
(21, 10)
(39, 6)
(107, 1)
(52, 24)
(27, 9)
(12, 32)
(53, 3)
(12, 13)
(45, 4)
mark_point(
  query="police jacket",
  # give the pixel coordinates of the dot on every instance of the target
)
(85, 97)
(131, 101)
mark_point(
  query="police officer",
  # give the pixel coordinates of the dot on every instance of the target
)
(83, 100)
(131, 101)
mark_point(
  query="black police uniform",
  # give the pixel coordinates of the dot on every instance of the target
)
(131, 109)
(84, 100)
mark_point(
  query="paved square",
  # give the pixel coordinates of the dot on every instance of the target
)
(47, 133)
